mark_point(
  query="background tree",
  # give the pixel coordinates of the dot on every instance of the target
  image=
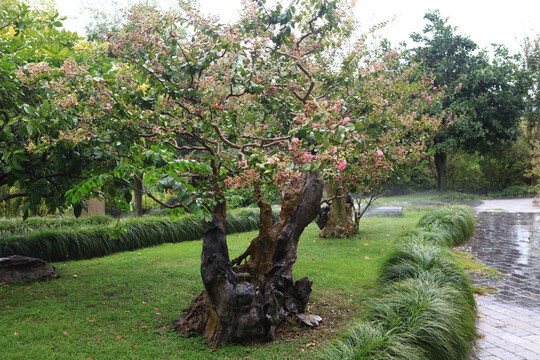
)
(531, 56)
(488, 100)
(387, 103)
(37, 66)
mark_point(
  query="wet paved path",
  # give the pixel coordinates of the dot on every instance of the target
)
(508, 239)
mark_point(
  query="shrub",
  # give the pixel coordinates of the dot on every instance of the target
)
(512, 192)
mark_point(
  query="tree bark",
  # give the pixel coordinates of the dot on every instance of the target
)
(138, 193)
(340, 223)
(248, 302)
(440, 164)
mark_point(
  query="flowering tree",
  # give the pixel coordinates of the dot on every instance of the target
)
(39, 73)
(271, 101)
(389, 119)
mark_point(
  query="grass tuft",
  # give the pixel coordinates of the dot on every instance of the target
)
(456, 221)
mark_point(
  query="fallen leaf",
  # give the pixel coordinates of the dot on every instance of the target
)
(98, 339)
(46, 297)
(64, 332)
(16, 333)
(118, 337)
(367, 258)
(28, 288)
(158, 313)
(303, 349)
(91, 319)
(145, 303)
(133, 329)
(366, 244)
(145, 326)
(310, 344)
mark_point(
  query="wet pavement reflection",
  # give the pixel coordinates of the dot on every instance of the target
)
(510, 243)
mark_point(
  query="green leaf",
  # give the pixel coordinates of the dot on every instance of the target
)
(77, 209)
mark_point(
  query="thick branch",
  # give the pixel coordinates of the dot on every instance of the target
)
(173, 206)
(12, 196)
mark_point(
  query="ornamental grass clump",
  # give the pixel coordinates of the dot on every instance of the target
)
(428, 314)
(457, 221)
(19, 226)
(369, 340)
(425, 304)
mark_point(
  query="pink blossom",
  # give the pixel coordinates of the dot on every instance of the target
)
(334, 150)
(346, 120)
(342, 165)
(295, 140)
(314, 125)
(380, 153)
(109, 106)
(242, 163)
(265, 126)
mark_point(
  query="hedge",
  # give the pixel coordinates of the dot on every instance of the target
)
(425, 307)
(71, 239)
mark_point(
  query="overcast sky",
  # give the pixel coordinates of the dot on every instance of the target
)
(486, 22)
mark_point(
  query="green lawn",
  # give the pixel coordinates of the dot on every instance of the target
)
(120, 306)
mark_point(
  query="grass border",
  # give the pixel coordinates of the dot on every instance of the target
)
(425, 307)
(74, 239)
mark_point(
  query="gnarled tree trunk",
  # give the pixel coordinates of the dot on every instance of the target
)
(440, 165)
(247, 302)
(340, 223)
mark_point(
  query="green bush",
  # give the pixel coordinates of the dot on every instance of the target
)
(425, 308)
(506, 165)
(464, 173)
(512, 192)
(64, 241)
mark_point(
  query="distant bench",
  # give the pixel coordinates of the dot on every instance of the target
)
(385, 211)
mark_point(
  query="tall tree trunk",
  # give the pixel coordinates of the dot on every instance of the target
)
(440, 164)
(138, 192)
(340, 223)
(247, 303)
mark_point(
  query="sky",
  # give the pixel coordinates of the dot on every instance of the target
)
(484, 21)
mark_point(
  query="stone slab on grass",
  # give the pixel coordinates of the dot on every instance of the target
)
(25, 269)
